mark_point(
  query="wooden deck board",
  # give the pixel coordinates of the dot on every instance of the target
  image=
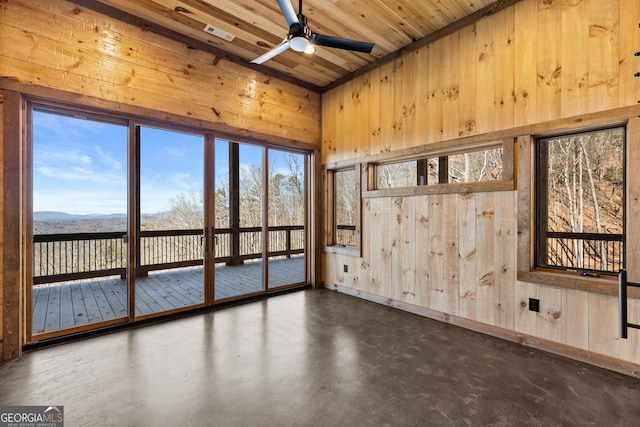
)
(80, 315)
(54, 306)
(91, 304)
(111, 293)
(66, 309)
(67, 305)
(103, 303)
(40, 301)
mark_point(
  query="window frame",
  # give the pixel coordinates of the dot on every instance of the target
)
(23, 106)
(526, 270)
(330, 244)
(542, 204)
(442, 151)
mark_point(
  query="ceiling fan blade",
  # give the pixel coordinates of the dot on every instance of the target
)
(273, 52)
(289, 12)
(340, 43)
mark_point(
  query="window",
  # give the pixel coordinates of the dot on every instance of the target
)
(447, 168)
(343, 210)
(408, 173)
(394, 175)
(477, 166)
(345, 207)
(580, 202)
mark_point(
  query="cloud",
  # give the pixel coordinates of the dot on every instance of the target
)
(174, 150)
(77, 174)
(45, 155)
(108, 159)
(64, 127)
(184, 181)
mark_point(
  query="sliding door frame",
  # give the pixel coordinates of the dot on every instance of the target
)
(103, 112)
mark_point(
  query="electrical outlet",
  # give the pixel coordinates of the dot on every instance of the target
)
(345, 268)
(534, 305)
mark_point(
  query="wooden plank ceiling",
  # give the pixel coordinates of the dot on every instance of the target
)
(258, 25)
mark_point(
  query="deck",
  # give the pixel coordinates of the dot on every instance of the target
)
(68, 305)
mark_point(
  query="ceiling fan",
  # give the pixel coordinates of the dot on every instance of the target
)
(302, 39)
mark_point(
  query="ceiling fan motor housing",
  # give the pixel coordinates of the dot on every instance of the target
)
(300, 35)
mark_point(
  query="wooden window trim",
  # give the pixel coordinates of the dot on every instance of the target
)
(329, 185)
(507, 183)
(527, 271)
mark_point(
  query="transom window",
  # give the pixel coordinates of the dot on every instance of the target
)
(580, 202)
(476, 166)
(470, 165)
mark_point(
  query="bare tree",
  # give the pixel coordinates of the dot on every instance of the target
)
(585, 195)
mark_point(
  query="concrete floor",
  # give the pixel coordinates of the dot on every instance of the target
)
(314, 358)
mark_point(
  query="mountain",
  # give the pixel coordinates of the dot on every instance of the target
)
(62, 216)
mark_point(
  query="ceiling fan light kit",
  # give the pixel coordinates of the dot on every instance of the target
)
(302, 39)
(299, 44)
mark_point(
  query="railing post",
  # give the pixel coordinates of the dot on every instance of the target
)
(288, 241)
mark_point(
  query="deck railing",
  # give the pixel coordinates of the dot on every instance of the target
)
(585, 251)
(73, 256)
(346, 235)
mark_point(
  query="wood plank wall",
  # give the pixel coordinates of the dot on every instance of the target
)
(530, 66)
(57, 50)
(534, 62)
(56, 44)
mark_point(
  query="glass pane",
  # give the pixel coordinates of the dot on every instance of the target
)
(170, 275)
(393, 175)
(585, 187)
(239, 266)
(345, 207)
(222, 237)
(79, 221)
(286, 218)
(477, 166)
(223, 192)
(429, 171)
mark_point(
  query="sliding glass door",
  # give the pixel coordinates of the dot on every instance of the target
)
(79, 222)
(239, 175)
(170, 274)
(260, 210)
(132, 221)
(286, 219)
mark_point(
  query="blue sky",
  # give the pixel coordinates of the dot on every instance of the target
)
(80, 166)
(170, 163)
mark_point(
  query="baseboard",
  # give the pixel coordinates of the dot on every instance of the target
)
(599, 360)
